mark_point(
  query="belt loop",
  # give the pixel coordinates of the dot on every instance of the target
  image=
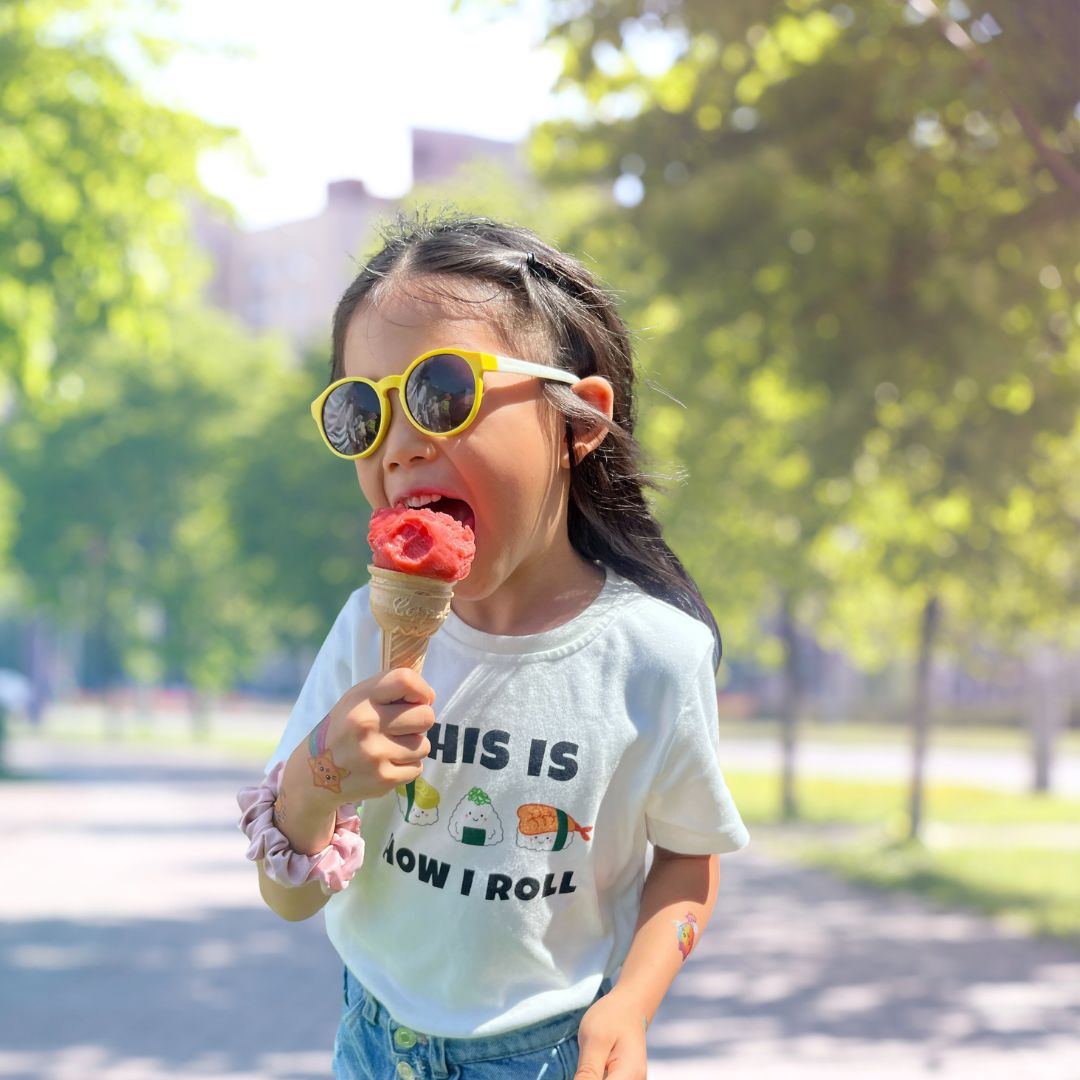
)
(437, 1057)
(370, 1009)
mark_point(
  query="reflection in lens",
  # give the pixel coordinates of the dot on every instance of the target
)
(351, 417)
(440, 392)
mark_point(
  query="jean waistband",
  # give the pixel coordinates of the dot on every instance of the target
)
(443, 1052)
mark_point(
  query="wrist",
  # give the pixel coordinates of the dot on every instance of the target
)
(304, 813)
(635, 1000)
(331, 860)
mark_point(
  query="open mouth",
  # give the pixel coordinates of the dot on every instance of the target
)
(458, 509)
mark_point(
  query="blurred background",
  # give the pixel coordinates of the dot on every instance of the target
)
(847, 240)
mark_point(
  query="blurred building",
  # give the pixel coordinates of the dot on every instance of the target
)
(289, 277)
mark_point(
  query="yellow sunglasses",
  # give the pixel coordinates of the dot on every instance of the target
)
(440, 392)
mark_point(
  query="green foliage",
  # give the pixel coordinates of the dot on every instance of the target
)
(163, 488)
(299, 514)
(854, 259)
(92, 179)
(125, 469)
(179, 507)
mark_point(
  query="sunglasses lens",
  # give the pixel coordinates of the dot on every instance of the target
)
(440, 392)
(351, 417)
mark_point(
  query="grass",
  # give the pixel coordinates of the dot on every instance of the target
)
(987, 851)
(954, 737)
(1035, 889)
(214, 741)
(860, 802)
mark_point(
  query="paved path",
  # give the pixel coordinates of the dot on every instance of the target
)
(133, 946)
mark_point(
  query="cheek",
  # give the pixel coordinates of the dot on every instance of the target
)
(370, 487)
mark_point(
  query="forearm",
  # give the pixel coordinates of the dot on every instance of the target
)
(676, 903)
(308, 824)
(293, 903)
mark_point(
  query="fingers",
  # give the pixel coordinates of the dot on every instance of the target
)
(593, 1057)
(398, 774)
(408, 749)
(408, 720)
(401, 684)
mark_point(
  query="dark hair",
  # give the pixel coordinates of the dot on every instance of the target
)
(546, 291)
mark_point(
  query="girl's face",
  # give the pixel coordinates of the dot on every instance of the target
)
(507, 466)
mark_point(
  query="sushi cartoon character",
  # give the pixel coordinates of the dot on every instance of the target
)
(546, 828)
(686, 931)
(418, 802)
(474, 820)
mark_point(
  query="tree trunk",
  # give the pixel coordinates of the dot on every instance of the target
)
(789, 708)
(1047, 710)
(920, 719)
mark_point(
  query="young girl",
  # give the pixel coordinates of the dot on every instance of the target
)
(502, 925)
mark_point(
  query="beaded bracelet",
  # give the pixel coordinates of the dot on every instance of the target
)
(333, 867)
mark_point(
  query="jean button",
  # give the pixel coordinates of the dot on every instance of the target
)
(405, 1038)
(405, 1070)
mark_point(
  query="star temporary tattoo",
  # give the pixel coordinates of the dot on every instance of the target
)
(325, 772)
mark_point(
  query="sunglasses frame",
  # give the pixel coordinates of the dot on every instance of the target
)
(479, 362)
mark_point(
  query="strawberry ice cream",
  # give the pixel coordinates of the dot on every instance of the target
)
(423, 542)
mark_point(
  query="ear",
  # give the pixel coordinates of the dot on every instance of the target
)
(597, 392)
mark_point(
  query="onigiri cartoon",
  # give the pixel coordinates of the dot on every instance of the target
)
(474, 820)
(546, 828)
(419, 802)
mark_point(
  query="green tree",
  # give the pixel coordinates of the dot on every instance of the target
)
(92, 179)
(125, 477)
(300, 518)
(855, 254)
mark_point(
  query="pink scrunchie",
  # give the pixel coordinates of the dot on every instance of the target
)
(333, 867)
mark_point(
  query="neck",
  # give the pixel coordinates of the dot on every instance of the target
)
(537, 597)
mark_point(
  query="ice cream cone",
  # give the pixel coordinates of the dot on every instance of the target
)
(409, 609)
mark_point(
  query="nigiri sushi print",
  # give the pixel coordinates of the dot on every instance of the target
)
(547, 828)
(686, 931)
(418, 802)
(474, 820)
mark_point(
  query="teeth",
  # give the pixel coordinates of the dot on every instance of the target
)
(414, 502)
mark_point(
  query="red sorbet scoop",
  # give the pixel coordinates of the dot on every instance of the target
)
(423, 542)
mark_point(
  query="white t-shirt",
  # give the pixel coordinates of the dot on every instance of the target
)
(503, 886)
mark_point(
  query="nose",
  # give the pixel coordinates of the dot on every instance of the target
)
(403, 444)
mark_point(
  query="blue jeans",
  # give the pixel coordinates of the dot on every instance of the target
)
(370, 1045)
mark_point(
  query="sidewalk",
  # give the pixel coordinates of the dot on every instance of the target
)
(133, 946)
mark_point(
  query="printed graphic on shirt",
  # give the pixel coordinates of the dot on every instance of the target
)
(547, 828)
(418, 802)
(686, 932)
(475, 821)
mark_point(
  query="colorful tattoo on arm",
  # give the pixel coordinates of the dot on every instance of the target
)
(686, 933)
(325, 772)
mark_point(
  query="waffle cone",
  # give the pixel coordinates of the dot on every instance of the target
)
(409, 609)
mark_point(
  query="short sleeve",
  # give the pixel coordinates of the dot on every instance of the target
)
(332, 673)
(689, 809)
